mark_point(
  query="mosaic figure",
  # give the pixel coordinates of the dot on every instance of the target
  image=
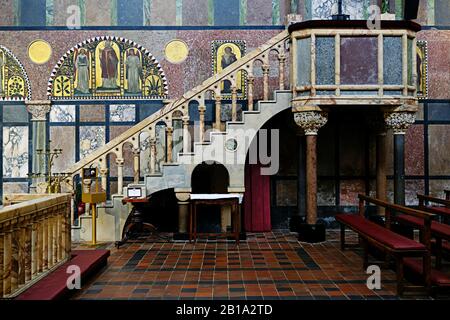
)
(82, 71)
(225, 53)
(109, 60)
(134, 72)
(2, 63)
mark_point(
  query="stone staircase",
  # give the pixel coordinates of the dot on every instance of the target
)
(226, 144)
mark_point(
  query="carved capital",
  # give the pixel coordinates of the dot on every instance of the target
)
(265, 68)
(169, 130)
(251, 79)
(103, 172)
(136, 151)
(311, 121)
(201, 109)
(120, 161)
(38, 109)
(399, 121)
(186, 120)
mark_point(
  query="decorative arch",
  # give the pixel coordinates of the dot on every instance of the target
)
(107, 68)
(14, 82)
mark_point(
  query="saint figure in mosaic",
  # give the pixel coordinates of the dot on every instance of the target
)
(134, 71)
(228, 58)
(109, 60)
(82, 71)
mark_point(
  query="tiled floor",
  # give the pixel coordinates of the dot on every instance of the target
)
(271, 265)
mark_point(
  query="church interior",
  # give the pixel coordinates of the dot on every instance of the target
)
(225, 150)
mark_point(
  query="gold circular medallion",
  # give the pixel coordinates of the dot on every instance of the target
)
(176, 51)
(39, 51)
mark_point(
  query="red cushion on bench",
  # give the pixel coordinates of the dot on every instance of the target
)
(379, 233)
(443, 210)
(437, 228)
(438, 278)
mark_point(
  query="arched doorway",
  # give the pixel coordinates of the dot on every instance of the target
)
(211, 178)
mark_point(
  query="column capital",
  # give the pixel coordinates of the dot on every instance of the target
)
(169, 130)
(251, 79)
(152, 142)
(185, 120)
(399, 121)
(265, 68)
(311, 121)
(201, 109)
(120, 161)
(218, 98)
(38, 109)
(136, 151)
(281, 57)
(103, 171)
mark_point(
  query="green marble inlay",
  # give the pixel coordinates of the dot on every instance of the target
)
(16, 12)
(294, 6)
(82, 6)
(430, 12)
(147, 12)
(49, 12)
(410, 71)
(399, 9)
(243, 12)
(275, 12)
(210, 12)
(179, 12)
(307, 9)
(113, 12)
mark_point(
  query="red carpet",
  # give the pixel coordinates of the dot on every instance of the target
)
(54, 287)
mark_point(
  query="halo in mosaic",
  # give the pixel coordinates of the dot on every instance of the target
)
(14, 83)
(107, 68)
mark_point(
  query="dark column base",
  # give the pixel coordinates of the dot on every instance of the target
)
(295, 222)
(311, 233)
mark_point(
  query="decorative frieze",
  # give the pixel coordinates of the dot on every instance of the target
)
(311, 121)
(399, 121)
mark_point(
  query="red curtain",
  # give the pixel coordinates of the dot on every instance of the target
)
(256, 200)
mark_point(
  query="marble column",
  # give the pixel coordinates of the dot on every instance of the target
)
(265, 71)
(38, 110)
(119, 163)
(186, 135)
(136, 166)
(311, 122)
(301, 174)
(250, 84)
(2, 241)
(7, 262)
(169, 131)
(399, 122)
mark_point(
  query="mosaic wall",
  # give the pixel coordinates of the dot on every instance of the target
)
(76, 13)
(79, 128)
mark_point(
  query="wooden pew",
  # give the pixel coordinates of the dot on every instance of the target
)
(439, 231)
(391, 243)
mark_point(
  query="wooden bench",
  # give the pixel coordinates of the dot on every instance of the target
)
(391, 243)
(439, 231)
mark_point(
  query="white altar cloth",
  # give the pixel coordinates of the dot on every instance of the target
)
(213, 196)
